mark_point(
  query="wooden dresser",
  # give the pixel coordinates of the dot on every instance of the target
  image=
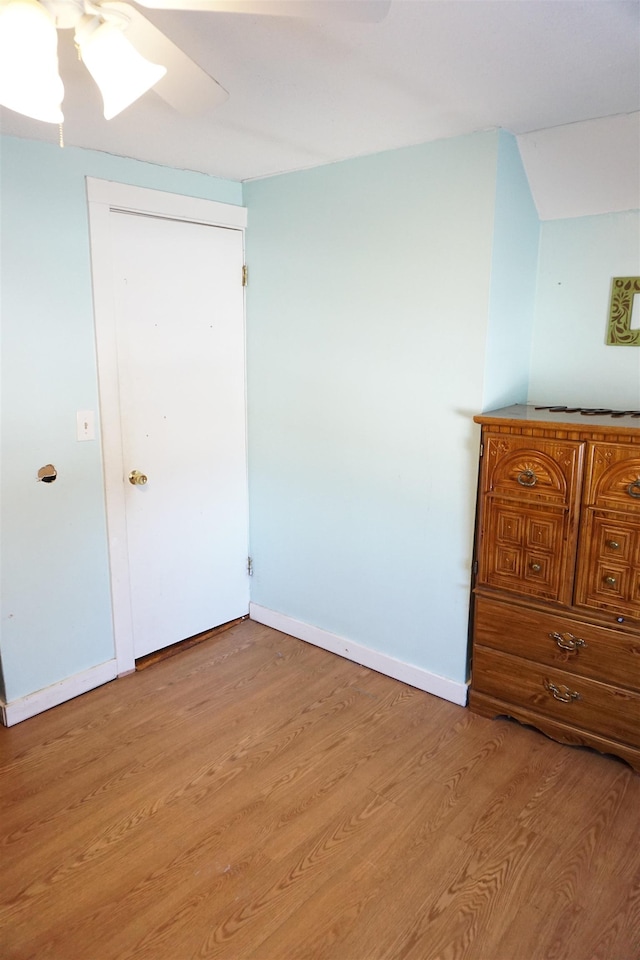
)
(556, 599)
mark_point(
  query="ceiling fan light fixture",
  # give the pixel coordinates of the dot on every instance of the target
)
(121, 73)
(29, 80)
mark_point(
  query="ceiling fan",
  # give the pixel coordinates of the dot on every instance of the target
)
(124, 52)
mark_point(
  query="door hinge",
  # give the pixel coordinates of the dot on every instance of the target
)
(475, 568)
(245, 275)
(482, 449)
(250, 566)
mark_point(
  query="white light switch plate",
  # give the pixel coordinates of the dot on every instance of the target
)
(85, 421)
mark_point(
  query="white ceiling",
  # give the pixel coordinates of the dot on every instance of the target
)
(303, 93)
(585, 168)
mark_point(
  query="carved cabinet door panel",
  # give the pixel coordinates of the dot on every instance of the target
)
(523, 550)
(609, 553)
(528, 522)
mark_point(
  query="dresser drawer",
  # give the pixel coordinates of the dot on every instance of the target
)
(534, 470)
(608, 710)
(614, 477)
(556, 641)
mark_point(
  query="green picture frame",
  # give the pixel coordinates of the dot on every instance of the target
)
(619, 332)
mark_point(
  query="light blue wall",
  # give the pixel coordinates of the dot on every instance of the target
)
(570, 362)
(390, 300)
(367, 320)
(56, 618)
(513, 282)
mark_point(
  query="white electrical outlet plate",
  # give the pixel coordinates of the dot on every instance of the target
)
(85, 425)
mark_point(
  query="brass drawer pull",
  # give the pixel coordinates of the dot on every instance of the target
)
(536, 567)
(634, 488)
(561, 693)
(610, 581)
(528, 479)
(567, 641)
(613, 544)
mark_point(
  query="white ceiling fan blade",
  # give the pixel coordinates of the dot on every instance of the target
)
(365, 11)
(185, 86)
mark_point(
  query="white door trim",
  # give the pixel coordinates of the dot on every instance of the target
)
(103, 196)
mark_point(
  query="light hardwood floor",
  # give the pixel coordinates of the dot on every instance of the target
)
(256, 798)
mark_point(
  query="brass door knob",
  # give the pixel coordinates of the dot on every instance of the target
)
(137, 478)
(610, 581)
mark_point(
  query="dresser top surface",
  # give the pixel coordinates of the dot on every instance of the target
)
(590, 420)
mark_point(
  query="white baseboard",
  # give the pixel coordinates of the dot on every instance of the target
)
(17, 710)
(381, 662)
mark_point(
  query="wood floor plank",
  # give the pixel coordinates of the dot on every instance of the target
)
(270, 903)
(466, 912)
(616, 931)
(334, 778)
(427, 859)
(305, 791)
(155, 754)
(257, 798)
(175, 792)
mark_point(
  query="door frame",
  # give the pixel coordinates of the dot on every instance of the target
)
(103, 196)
